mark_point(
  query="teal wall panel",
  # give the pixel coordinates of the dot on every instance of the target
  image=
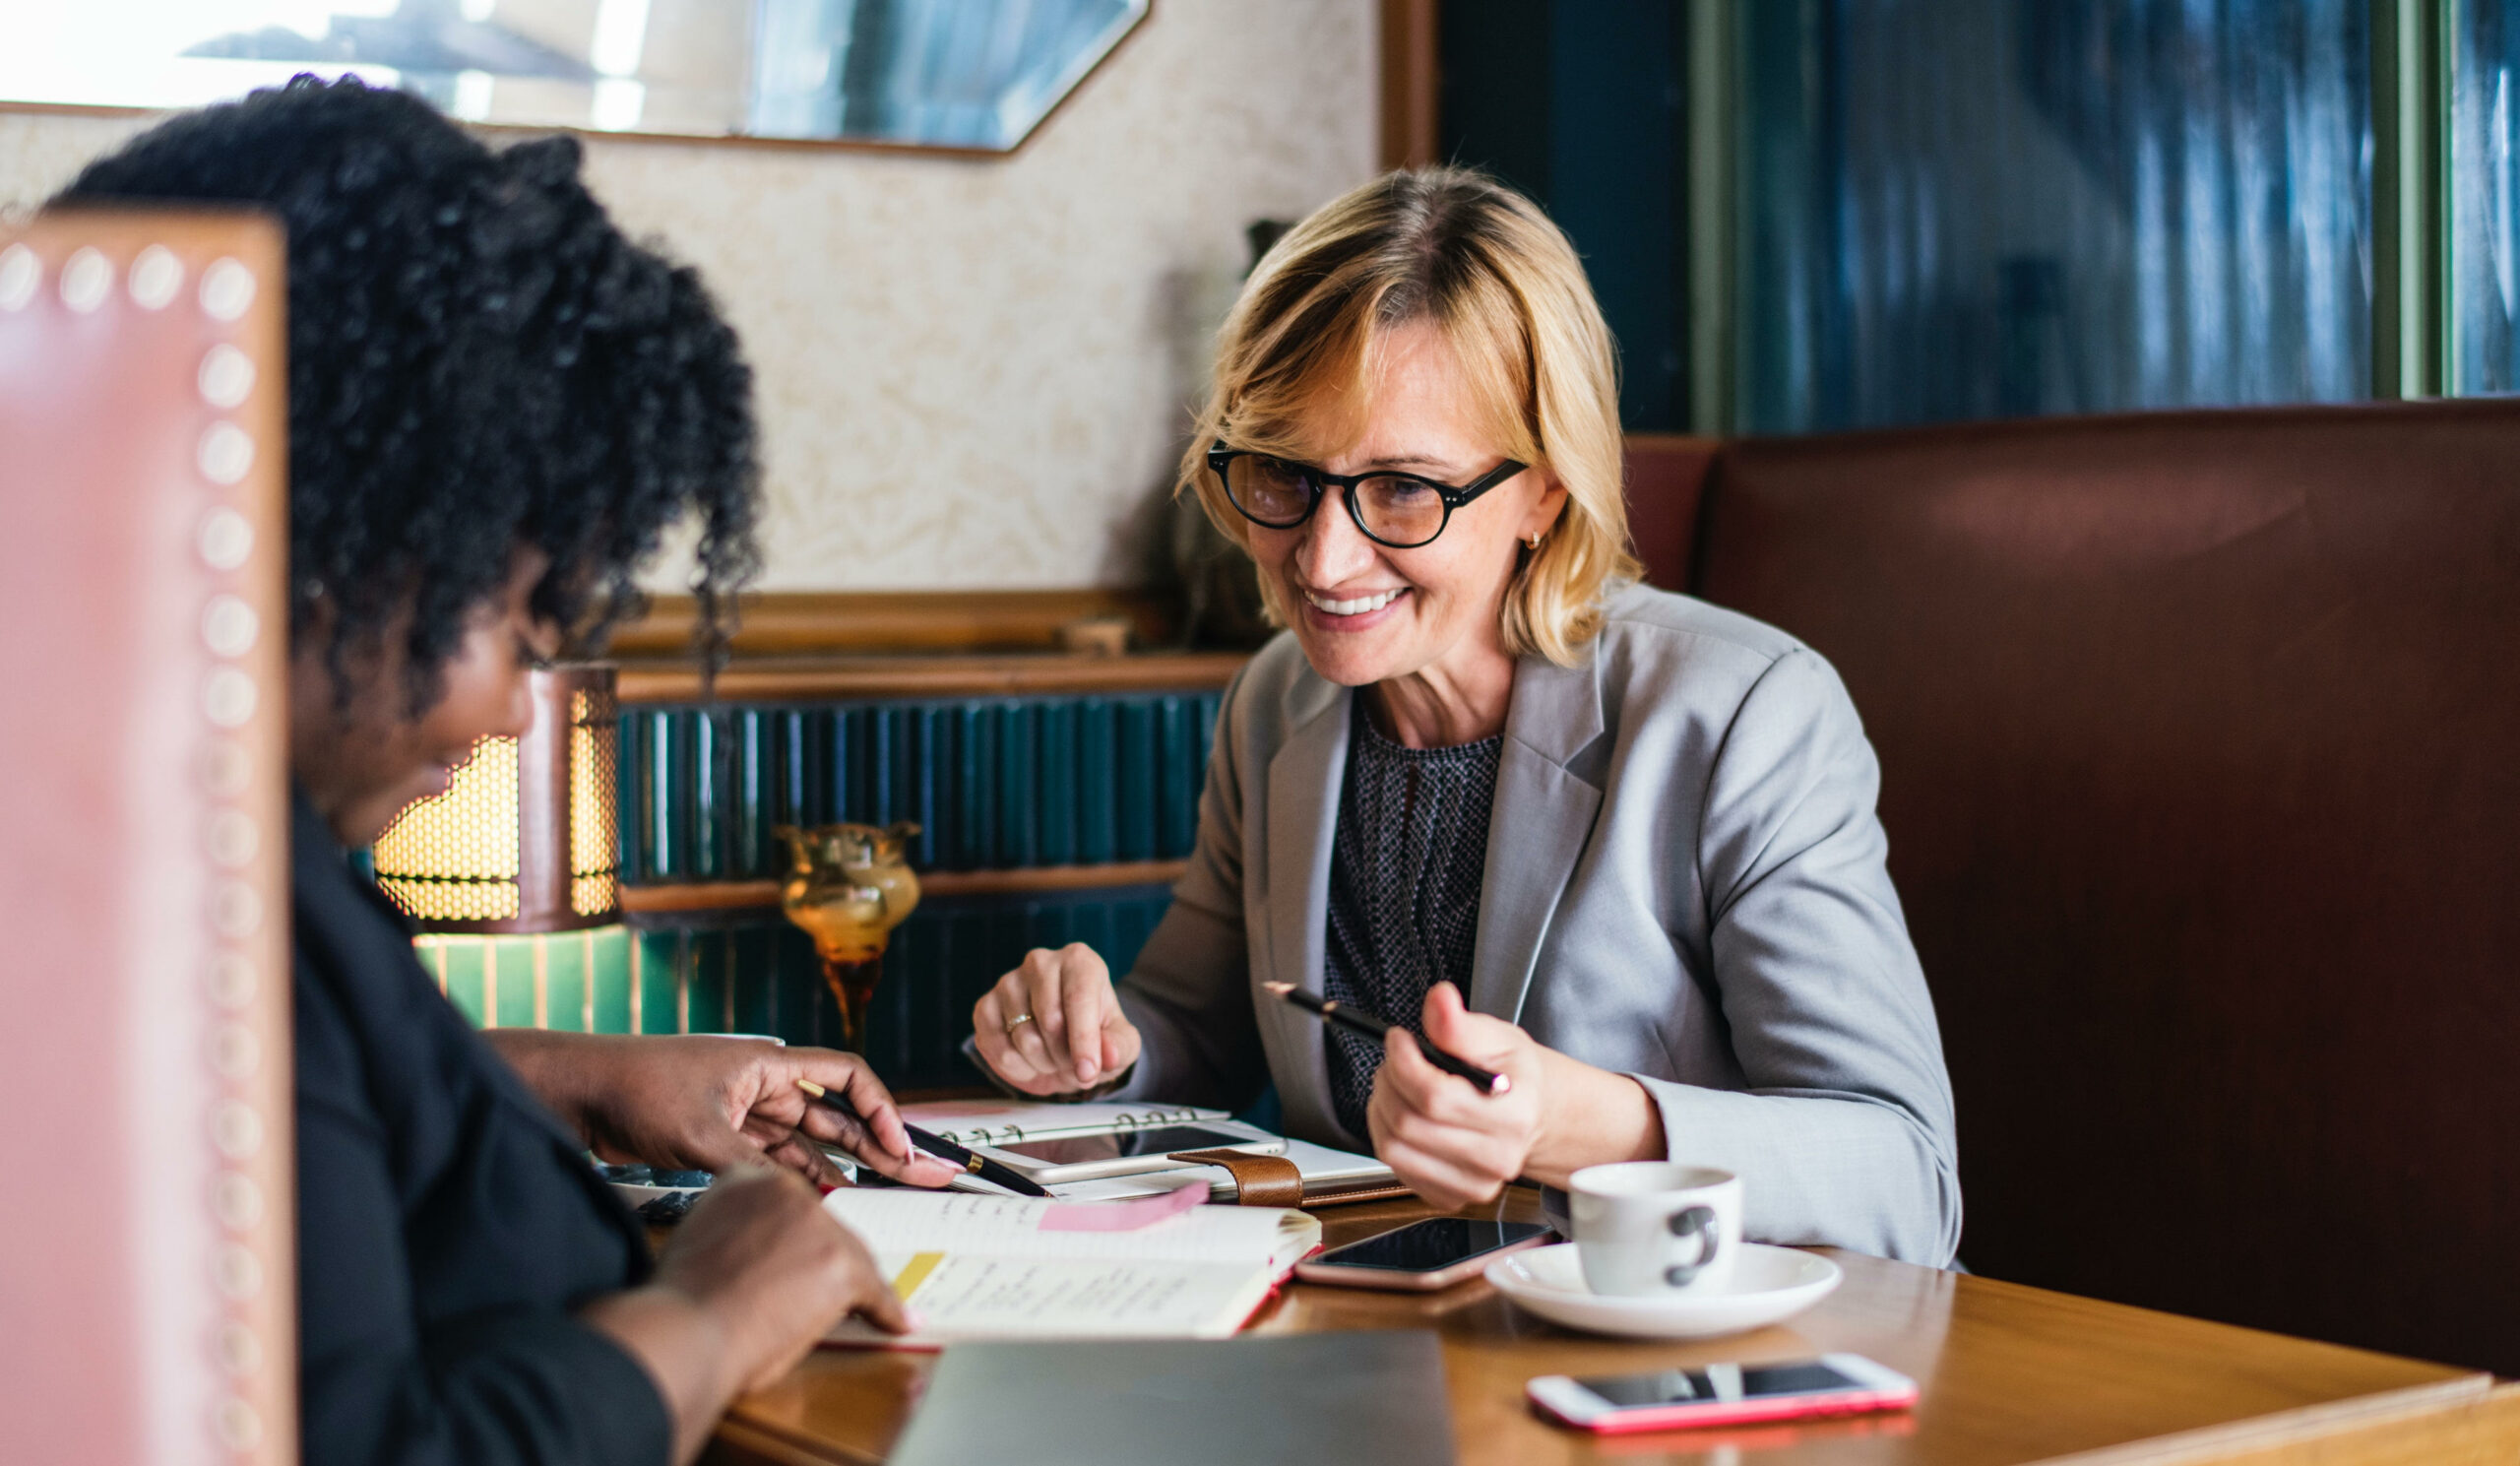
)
(563, 981)
(656, 979)
(459, 973)
(992, 781)
(611, 979)
(996, 783)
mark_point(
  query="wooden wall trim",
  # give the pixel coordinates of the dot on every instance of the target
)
(1410, 72)
(662, 900)
(784, 623)
(813, 680)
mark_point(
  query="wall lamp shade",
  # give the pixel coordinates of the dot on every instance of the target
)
(524, 838)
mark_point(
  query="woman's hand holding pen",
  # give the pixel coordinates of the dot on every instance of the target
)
(1455, 1146)
(1449, 1143)
(1054, 1026)
(715, 1104)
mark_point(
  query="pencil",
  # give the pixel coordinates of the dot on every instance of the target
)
(1485, 1081)
(935, 1145)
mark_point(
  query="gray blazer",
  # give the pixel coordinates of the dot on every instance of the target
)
(1684, 883)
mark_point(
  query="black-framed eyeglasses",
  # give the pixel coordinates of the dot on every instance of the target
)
(1398, 511)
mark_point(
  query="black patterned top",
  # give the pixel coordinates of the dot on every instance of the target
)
(1406, 867)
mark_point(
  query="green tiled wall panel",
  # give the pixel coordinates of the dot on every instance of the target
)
(458, 967)
(574, 981)
(563, 981)
(654, 982)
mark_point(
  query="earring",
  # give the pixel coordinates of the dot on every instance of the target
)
(1531, 540)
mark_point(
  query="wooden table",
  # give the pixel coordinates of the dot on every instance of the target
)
(2010, 1374)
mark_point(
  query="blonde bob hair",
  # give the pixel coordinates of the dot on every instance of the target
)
(1501, 284)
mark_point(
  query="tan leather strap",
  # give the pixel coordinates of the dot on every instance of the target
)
(1259, 1181)
(1274, 1181)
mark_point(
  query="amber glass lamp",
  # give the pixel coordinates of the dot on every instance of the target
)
(848, 885)
(523, 839)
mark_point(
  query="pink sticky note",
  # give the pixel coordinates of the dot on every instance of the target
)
(1122, 1216)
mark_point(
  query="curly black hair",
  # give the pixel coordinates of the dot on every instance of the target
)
(478, 361)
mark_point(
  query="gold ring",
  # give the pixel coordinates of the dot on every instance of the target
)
(1016, 1022)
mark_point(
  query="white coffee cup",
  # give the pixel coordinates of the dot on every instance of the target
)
(1653, 1228)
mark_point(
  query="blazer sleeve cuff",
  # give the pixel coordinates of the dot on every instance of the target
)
(1818, 1169)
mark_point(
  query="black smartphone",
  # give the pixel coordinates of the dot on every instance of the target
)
(1424, 1255)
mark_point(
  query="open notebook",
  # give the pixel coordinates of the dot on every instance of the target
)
(1326, 1172)
(1328, 1176)
(998, 1121)
(982, 1268)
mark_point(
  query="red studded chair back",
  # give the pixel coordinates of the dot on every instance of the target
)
(145, 1262)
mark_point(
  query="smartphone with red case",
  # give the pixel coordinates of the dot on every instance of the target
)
(1724, 1394)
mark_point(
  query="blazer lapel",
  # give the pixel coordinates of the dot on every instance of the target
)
(1537, 826)
(1305, 783)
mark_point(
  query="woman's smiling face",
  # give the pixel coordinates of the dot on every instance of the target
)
(1366, 612)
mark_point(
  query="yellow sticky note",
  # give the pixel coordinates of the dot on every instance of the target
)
(908, 1280)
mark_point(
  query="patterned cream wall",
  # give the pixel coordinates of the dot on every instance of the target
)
(976, 373)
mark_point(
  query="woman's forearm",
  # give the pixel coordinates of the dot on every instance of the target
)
(1594, 1116)
(559, 1067)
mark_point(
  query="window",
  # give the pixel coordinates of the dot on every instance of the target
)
(1958, 209)
(1810, 214)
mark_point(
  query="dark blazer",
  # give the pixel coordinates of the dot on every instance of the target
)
(446, 1222)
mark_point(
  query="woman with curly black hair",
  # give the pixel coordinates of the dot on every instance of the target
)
(498, 406)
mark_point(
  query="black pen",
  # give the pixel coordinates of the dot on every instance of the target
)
(1485, 1081)
(935, 1145)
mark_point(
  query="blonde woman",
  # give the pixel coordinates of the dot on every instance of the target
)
(1614, 843)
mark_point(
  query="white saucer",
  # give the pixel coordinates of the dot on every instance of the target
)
(1768, 1285)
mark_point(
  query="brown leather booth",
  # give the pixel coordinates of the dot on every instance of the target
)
(2200, 738)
